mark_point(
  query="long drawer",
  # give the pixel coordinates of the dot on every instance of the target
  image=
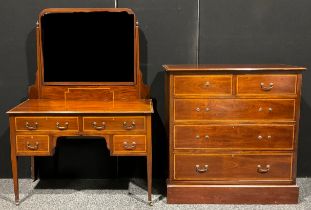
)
(266, 84)
(263, 137)
(234, 109)
(277, 166)
(134, 123)
(203, 85)
(44, 123)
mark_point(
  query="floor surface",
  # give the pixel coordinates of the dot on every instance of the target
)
(113, 194)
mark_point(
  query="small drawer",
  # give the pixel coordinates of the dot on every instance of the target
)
(129, 144)
(234, 167)
(266, 84)
(203, 85)
(59, 123)
(234, 137)
(32, 145)
(102, 124)
(235, 109)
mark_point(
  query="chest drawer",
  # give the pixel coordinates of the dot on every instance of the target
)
(203, 85)
(260, 137)
(32, 144)
(129, 144)
(233, 167)
(62, 123)
(114, 123)
(266, 84)
(234, 109)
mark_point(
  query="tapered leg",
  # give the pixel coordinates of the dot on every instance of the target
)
(14, 160)
(149, 160)
(33, 169)
(149, 177)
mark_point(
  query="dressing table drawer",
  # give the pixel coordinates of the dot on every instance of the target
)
(57, 123)
(266, 84)
(129, 144)
(235, 109)
(135, 123)
(203, 85)
(32, 145)
(217, 167)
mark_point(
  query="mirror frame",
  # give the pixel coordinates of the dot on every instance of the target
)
(86, 10)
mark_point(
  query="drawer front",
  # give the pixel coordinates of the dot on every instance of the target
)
(235, 109)
(233, 167)
(129, 144)
(102, 124)
(60, 123)
(203, 85)
(266, 84)
(32, 144)
(264, 137)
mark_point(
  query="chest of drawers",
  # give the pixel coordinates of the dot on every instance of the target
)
(233, 133)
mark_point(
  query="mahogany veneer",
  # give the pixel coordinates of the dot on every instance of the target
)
(117, 110)
(233, 132)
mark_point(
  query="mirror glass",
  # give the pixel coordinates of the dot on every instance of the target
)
(88, 47)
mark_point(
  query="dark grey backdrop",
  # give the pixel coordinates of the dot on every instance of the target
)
(240, 31)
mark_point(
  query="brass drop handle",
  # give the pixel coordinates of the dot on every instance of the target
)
(206, 137)
(129, 146)
(207, 83)
(262, 170)
(99, 127)
(266, 88)
(65, 127)
(207, 109)
(201, 170)
(32, 127)
(33, 147)
(129, 127)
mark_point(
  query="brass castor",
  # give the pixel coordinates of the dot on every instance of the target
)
(150, 203)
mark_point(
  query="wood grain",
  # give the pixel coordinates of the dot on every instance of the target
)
(114, 123)
(235, 109)
(266, 84)
(129, 144)
(230, 67)
(78, 104)
(203, 85)
(234, 137)
(217, 140)
(46, 123)
(233, 166)
(41, 106)
(32, 145)
(232, 194)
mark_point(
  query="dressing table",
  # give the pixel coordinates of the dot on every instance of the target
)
(88, 83)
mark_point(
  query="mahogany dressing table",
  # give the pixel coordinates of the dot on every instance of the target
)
(88, 83)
